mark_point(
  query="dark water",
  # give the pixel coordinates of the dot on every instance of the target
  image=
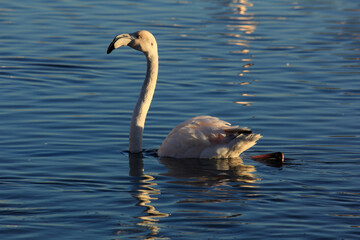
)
(287, 69)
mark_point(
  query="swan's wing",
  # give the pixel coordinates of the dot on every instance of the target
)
(207, 137)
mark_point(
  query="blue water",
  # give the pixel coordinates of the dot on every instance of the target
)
(287, 69)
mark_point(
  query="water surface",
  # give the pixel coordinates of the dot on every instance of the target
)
(288, 70)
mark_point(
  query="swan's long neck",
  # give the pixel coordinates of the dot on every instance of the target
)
(143, 103)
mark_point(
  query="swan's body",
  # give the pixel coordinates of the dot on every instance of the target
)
(207, 137)
(198, 137)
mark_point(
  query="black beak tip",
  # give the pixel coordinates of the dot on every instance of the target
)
(110, 49)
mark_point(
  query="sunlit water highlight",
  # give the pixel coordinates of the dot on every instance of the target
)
(288, 70)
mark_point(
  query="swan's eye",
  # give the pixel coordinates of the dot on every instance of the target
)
(152, 44)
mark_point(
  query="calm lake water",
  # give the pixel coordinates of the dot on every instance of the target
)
(290, 70)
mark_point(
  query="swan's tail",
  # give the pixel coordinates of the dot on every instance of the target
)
(242, 143)
(232, 148)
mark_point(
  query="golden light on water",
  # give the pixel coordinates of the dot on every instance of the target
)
(244, 103)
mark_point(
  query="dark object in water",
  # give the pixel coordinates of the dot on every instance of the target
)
(276, 157)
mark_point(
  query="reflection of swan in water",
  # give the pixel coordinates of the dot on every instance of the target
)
(199, 137)
(144, 193)
(204, 172)
(210, 171)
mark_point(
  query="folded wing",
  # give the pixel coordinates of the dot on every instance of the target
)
(207, 137)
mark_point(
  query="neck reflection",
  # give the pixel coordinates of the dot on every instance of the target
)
(144, 192)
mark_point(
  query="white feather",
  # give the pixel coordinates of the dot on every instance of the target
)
(205, 137)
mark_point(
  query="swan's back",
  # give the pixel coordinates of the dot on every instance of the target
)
(207, 137)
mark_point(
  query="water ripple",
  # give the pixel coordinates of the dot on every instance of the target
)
(288, 70)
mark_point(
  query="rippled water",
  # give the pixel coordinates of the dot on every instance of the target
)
(287, 69)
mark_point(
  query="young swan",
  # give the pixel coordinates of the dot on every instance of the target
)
(198, 137)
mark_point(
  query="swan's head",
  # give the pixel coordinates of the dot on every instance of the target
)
(142, 41)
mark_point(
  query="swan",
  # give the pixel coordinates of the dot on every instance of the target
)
(203, 137)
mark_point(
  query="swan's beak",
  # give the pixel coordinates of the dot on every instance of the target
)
(120, 40)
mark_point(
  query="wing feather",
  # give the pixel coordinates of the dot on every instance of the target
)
(207, 137)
